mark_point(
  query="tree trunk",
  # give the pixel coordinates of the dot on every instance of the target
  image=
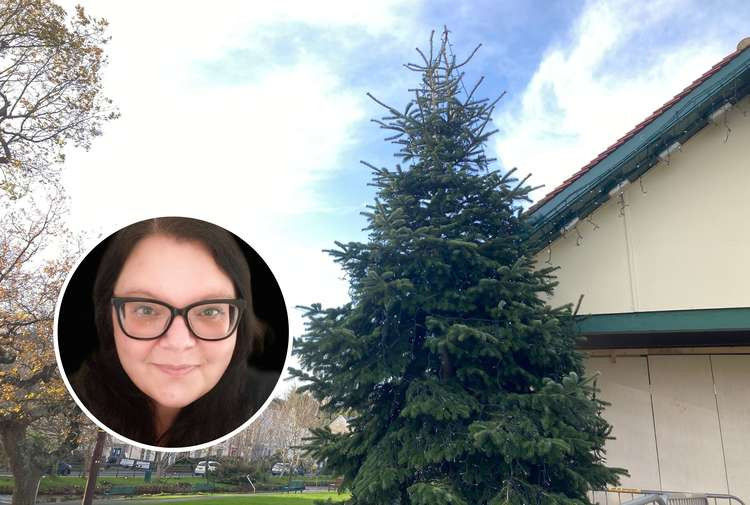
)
(26, 474)
(161, 464)
(96, 459)
(86, 463)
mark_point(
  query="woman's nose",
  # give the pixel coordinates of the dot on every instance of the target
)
(178, 335)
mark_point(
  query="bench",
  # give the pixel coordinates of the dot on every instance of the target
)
(294, 486)
(207, 487)
(336, 484)
(121, 490)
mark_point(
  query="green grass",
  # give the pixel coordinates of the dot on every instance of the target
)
(275, 480)
(58, 484)
(75, 485)
(262, 499)
(309, 480)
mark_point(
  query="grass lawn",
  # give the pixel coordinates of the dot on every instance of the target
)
(75, 485)
(56, 482)
(261, 499)
(309, 480)
(50, 480)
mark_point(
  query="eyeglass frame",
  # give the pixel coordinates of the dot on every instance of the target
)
(119, 301)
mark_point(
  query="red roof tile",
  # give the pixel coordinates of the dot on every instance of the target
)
(633, 132)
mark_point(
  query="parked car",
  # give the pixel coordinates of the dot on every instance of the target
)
(63, 468)
(200, 468)
(279, 469)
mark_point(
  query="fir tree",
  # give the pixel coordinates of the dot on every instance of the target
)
(463, 386)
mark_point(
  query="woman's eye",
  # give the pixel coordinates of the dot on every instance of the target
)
(145, 311)
(210, 312)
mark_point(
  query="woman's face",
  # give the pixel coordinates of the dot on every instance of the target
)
(177, 368)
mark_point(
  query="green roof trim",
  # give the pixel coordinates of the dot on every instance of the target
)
(633, 157)
(698, 320)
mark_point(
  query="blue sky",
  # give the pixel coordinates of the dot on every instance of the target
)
(254, 115)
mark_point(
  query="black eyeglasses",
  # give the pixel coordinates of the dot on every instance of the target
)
(147, 319)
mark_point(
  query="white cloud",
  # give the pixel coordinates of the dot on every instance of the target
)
(254, 148)
(164, 37)
(247, 155)
(197, 147)
(306, 275)
(587, 94)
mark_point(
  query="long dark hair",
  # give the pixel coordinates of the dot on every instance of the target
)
(110, 395)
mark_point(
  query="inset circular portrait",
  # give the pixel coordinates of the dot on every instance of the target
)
(172, 333)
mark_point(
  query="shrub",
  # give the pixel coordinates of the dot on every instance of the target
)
(236, 472)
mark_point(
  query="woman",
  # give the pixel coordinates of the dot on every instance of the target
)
(176, 330)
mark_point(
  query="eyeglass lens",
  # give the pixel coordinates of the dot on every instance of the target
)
(148, 319)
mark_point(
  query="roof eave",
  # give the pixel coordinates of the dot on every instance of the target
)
(636, 155)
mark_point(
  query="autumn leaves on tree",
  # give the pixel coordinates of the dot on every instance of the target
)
(50, 88)
(50, 96)
(463, 386)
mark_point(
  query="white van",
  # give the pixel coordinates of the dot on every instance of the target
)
(200, 468)
(280, 469)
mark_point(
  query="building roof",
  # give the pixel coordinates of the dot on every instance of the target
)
(634, 153)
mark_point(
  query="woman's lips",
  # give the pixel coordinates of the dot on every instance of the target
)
(176, 370)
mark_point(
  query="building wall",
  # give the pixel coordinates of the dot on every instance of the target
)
(680, 421)
(677, 239)
(339, 425)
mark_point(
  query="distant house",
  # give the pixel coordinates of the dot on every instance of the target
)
(655, 234)
(339, 425)
(116, 450)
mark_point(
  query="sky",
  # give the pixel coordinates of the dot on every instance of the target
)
(254, 115)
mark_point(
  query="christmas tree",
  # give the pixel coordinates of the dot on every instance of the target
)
(461, 385)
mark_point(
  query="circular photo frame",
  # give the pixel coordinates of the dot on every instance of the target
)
(171, 334)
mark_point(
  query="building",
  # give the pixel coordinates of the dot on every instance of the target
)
(339, 425)
(116, 450)
(652, 239)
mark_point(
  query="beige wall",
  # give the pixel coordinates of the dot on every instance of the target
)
(732, 377)
(687, 424)
(681, 422)
(680, 241)
(339, 425)
(624, 383)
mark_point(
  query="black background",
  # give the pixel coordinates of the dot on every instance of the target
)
(77, 333)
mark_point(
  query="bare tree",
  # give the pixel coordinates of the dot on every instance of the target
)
(50, 88)
(302, 412)
(161, 461)
(281, 429)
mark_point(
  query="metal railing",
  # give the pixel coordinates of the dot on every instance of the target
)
(632, 496)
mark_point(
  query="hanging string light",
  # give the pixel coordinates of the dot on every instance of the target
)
(645, 159)
(621, 201)
(666, 153)
(593, 224)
